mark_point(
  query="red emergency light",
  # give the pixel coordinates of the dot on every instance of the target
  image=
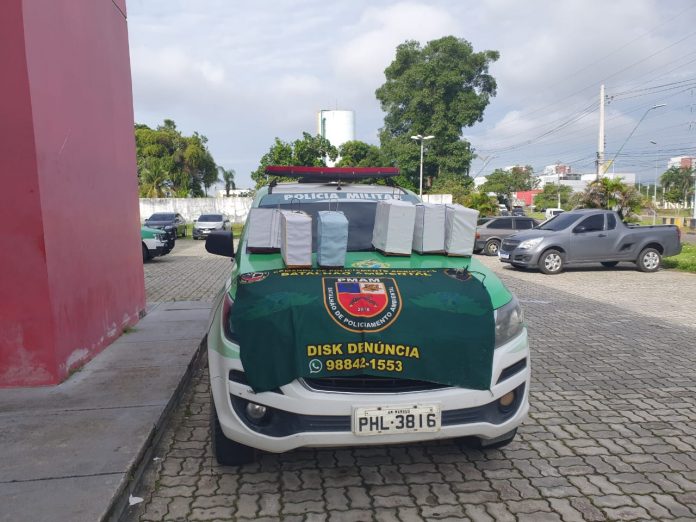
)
(331, 173)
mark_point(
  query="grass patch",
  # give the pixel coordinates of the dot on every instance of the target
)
(685, 261)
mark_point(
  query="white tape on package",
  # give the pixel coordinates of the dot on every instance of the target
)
(429, 230)
(394, 224)
(460, 230)
(263, 234)
(296, 239)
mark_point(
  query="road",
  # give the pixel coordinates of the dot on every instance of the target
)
(611, 433)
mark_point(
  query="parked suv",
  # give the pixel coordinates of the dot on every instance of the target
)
(490, 232)
(351, 386)
(172, 222)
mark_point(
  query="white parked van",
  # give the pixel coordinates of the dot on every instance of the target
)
(551, 212)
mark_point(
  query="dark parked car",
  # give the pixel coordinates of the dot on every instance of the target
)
(518, 211)
(490, 232)
(172, 222)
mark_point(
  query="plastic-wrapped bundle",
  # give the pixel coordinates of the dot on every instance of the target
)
(429, 231)
(460, 230)
(263, 233)
(296, 239)
(332, 238)
(394, 224)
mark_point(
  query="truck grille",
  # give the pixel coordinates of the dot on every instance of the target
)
(370, 384)
(509, 244)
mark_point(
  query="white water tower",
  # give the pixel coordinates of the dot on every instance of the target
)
(336, 126)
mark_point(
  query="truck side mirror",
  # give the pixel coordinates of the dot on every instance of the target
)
(220, 243)
(579, 229)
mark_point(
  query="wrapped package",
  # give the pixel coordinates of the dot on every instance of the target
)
(393, 230)
(296, 239)
(263, 233)
(429, 230)
(332, 238)
(460, 230)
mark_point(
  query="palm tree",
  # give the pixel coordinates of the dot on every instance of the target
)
(228, 178)
(612, 194)
(154, 179)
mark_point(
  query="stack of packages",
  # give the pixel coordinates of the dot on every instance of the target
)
(332, 239)
(296, 239)
(426, 228)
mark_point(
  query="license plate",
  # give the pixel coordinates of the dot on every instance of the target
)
(504, 255)
(387, 420)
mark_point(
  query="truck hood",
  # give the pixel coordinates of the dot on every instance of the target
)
(531, 234)
(499, 294)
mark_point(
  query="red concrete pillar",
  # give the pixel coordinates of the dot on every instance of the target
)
(71, 274)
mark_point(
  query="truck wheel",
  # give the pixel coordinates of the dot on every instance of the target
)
(609, 264)
(649, 260)
(227, 452)
(551, 262)
(492, 247)
(146, 253)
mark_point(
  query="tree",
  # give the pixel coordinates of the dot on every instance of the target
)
(434, 90)
(548, 198)
(485, 204)
(154, 179)
(677, 184)
(360, 154)
(310, 151)
(188, 166)
(612, 194)
(457, 185)
(503, 183)
(228, 178)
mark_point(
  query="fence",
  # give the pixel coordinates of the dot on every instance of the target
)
(236, 208)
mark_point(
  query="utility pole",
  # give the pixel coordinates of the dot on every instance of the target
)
(600, 144)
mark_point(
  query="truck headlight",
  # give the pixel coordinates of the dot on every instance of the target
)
(530, 243)
(509, 322)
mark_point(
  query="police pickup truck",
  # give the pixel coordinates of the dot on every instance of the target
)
(590, 236)
(383, 350)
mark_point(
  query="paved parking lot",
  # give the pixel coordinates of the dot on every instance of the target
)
(611, 434)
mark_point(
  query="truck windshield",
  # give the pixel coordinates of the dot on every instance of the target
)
(559, 222)
(360, 215)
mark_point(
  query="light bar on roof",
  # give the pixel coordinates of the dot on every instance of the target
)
(331, 173)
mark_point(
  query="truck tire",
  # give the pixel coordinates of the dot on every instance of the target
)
(551, 262)
(609, 264)
(649, 260)
(492, 247)
(227, 452)
(146, 253)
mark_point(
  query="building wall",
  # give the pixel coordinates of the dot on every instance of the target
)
(79, 262)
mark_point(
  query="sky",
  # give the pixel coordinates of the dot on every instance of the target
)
(244, 73)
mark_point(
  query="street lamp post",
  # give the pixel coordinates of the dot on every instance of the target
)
(613, 161)
(421, 138)
(655, 187)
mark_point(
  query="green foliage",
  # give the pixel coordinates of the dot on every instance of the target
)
(228, 178)
(171, 164)
(504, 183)
(310, 151)
(685, 261)
(435, 90)
(612, 194)
(548, 198)
(360, 154)
(457, 185)
(678, 184)
(485, 204)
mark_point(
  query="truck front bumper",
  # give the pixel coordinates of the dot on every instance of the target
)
(299, 415)
(519, 257)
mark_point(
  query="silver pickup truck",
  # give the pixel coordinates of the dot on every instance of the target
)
(590, 236)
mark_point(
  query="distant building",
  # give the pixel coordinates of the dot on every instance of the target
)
(558, 168)
(336, 126)
(684, 162)
(479, 180)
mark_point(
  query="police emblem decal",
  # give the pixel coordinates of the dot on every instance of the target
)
(362, 304)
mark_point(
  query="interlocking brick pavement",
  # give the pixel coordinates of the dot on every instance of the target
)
(611, 433)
